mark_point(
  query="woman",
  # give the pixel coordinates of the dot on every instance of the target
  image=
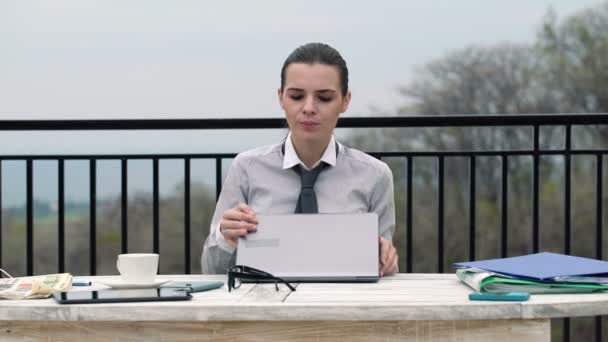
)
(270, 179)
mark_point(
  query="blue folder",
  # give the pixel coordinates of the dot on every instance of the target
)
(540, 266)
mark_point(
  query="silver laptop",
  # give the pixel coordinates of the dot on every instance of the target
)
(314, 247)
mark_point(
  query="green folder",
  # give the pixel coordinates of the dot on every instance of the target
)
(489, 282)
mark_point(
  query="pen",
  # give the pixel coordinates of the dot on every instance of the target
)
(81, 283)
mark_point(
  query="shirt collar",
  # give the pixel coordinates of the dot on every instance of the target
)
(291, 159)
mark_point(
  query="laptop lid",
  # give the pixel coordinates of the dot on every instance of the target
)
(314, 247)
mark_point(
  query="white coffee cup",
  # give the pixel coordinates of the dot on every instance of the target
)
(137, 268)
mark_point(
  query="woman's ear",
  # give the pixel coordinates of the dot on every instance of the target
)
(280, 94)
(346, 101)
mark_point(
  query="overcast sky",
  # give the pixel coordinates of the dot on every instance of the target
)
(101, 59)
(202, 59)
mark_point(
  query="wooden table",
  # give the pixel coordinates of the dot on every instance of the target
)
(416, 307)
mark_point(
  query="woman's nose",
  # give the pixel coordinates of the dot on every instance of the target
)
(309, 105)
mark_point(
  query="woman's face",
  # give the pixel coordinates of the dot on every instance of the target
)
(312, 100)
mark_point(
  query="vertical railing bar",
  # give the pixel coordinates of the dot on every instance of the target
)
(598, 208)
(472, 206)
(218, 177)
(599, 231)
(535, 190)
(567, 194)
(409, 220)
(61, 215)
(187, 214)
(30, 217)
(598, 328)
(505, 207)
(155, 190)
(1, 213)
(124, 201)
(93, 216)
(441, 215)
(567, 209)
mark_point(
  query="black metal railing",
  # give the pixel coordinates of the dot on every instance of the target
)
(536, 152)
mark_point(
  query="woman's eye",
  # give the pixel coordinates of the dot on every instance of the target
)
(325, 99)
(296, 97)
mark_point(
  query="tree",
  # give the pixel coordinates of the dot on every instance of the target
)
(574, 59)
(563, 72)
(501, 79)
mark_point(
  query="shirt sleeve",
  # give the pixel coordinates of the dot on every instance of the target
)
(218, 254)
(383, 202)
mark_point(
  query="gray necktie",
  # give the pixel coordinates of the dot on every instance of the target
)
(307, 202)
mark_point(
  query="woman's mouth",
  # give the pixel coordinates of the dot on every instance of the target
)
(309, 125)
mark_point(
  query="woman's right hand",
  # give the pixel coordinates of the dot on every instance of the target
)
(237, 222)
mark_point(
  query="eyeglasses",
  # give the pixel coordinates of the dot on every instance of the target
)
(4, 272)
(239, 272)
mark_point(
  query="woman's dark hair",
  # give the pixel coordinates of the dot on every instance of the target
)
(318, 53)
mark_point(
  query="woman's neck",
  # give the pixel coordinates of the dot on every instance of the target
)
(310, 152)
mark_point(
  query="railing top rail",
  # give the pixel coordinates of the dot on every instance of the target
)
(345, 122)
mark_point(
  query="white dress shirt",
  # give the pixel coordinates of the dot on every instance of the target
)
(292, 159)
(264, 179)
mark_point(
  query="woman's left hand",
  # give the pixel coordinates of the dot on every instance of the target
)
(388, 257)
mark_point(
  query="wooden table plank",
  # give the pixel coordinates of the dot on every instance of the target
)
(495, 331)
(399, 297)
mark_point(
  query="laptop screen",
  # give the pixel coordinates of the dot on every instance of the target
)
(313, 246)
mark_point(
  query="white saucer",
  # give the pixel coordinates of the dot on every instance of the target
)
(119, 284)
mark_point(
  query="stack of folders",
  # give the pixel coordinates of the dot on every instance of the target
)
(536, 274)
